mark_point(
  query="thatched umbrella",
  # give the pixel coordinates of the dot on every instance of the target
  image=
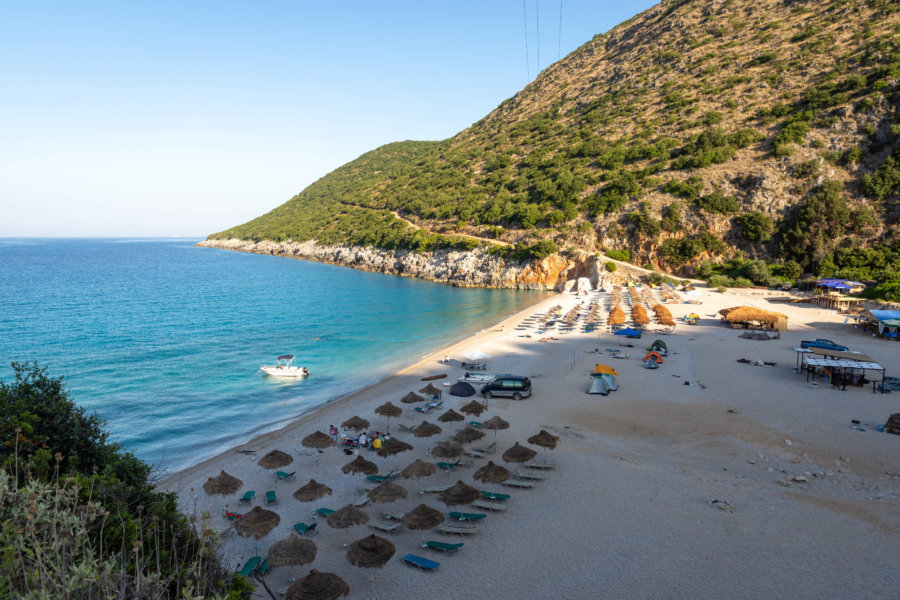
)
(473, 408)
(447, 450)
(371, 552)
(426, 429)
(450, 416)
(745, 314)
(412, 398)
(275, 459)
(317, 440)
(292, 551)
(616, 316)
(422, 518)
(544, 439)
(519, 454)
(467, 435)
(459, 493)
(394, 446)
(317, 586)
(417, 470)
(223, 483)
(346, 517)
(355, 423)
(388, 410)
(257, 523)
(387, 491)
(312, 491)
(360, 465)
(491, 473)
(495, 423)
(431, 390)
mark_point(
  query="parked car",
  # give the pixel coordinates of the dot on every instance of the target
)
(512, 386)
(823, 344)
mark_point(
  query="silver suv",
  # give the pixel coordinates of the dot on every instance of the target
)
(512, 386)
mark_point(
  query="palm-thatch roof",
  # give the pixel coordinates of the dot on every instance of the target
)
(447, 450)
(312, 491)
(387, 491)
(257, 523)
(431, 390)
(450, 415)
(491, 473)
(371, 552)
(394, 446)
(473, 408)
(750, 314)
(426, 429)
(411, 398)
(292, 551)
(422, 517)
(519, 454)
(360, 465)
(275, 459)
(223, 483)
(459, 493)
(317, 440)
(545, 439)
(317, 586)
(355, 423)
(388, 410)
(418, 469)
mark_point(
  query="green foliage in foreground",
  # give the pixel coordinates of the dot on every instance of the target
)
(80, 517)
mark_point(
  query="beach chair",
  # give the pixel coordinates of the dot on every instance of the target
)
(458, 529)
(271, 497)
(403, 427)
(448, 466)
(388, 527)
(421, 563)
(231, 516)
(539, 465)
(304, 529)
(323, 512)
(475, 424)
(474, 453)
(247, 497)
(263, 567)
(393, 514)
(250, 566)
(435, 489)
(519, 483)
(488, 449)
(496, 496)
(488, 505)
(380, 478)
(361, 501)
(463, 516)
(527, 475)
(282, 476)
(442, 546)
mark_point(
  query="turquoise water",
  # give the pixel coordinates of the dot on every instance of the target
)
(164, 340)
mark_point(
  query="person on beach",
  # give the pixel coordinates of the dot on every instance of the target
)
(377, 443)
(333, 432)
(363, 441)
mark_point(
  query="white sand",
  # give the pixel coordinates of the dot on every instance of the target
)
(629, 512)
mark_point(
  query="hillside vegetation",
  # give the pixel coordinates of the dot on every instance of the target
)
(706, 135)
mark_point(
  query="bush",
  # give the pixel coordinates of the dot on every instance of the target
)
(611, 267)
(755, 226)
(717, 202)
(690, 189)
(623, 255)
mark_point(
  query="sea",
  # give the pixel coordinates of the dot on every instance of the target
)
(164, 340)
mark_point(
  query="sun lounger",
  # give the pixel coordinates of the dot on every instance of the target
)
(232, 516)
(361, 501)
(263, 567)
(428, 407)
(393, 514)
(323, 512)
(422, 563)
(248, 497)
(527, 475)
(403, 427)
(494, 496)
(448, 466)
(488, 449)
(380, 478)
(442, 546)
(475, 423)
(487, 505)
(304, 529)
(475, 453)
(464, 516)
(539, 465)
(519, 483)
(271, 497)
(250, 566)
(389, 527)
(458, 529)
(435, 489)
(282, 476)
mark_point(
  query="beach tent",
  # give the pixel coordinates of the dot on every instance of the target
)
(462, 389)
(659, 346)
(611, 382)
(599, 369)
(628, 331)
(652, 360)
(598, 386)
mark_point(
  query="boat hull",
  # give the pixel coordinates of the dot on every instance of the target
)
(286, 372)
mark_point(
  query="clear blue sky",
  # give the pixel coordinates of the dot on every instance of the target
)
(186, 118)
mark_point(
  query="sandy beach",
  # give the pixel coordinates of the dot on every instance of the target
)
(705, 478)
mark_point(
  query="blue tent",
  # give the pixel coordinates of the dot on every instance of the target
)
(628, 331)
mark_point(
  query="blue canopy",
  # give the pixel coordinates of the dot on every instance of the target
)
(632, 333)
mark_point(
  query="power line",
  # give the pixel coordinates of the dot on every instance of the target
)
(527, 54)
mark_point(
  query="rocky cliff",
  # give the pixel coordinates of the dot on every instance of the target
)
(477, 268)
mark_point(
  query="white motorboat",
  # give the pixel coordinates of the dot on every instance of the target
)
(477, 378)
(284, 367)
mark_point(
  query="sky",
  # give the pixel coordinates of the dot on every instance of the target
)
(140, 119)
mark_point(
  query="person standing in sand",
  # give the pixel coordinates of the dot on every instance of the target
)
(333, 432)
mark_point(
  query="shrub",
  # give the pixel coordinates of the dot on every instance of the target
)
(611, 267)
(690, 189)
(717, 202)
(884, 181)
(623, 255)
(755, 226)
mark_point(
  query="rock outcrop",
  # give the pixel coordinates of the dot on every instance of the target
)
(478, 268)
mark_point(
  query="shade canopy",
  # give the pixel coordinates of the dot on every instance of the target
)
(411, 398)
(467, 435)
(393, 447)
(747, 314)
(447, 450)
(275, 459)
(388, 410)
(629, 332)
(317, 586)
(371, 552)
(292, 551)
(544, 439)
(462, 389)
(347, 516)
(604, 369)
(426, 429)
(459, 493)
(476, 355)
(257, 523)
(450, 416)
(317, 440)
(519, 454)
(387, 491)
(223, 483)
(495, 423)
(491, 473)
(312, 491)
(355, 423)
(422, 517)
(360, 465)
(418, 469)
(431, 390)
(473, 408)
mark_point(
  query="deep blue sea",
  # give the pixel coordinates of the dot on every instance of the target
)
(164, 340)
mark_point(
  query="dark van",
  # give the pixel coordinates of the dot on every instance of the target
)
(512, 386)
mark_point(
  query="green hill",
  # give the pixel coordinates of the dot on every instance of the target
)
(702, 131)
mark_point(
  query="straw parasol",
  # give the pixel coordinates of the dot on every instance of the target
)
(431, 390)
(355, 423)
(491, 473)
(422, 518)
(467, 435)
(312, 491)
(371, 552)
(412, 398)
(346, 517)
(426, 429)
(223, 483)
(388, 410)
(745, 314)
(394, 446)
(275, 459)
(257, 523)
(450, 416)
(292, 551)
(519, 454)
(616, 316)
(360, 465)
(317, 586)
(459, 493)
(387, 491)
(495, 423)
(317, 440)
(418, 469)
(473, 408)
(447, 450)
(544, 439)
